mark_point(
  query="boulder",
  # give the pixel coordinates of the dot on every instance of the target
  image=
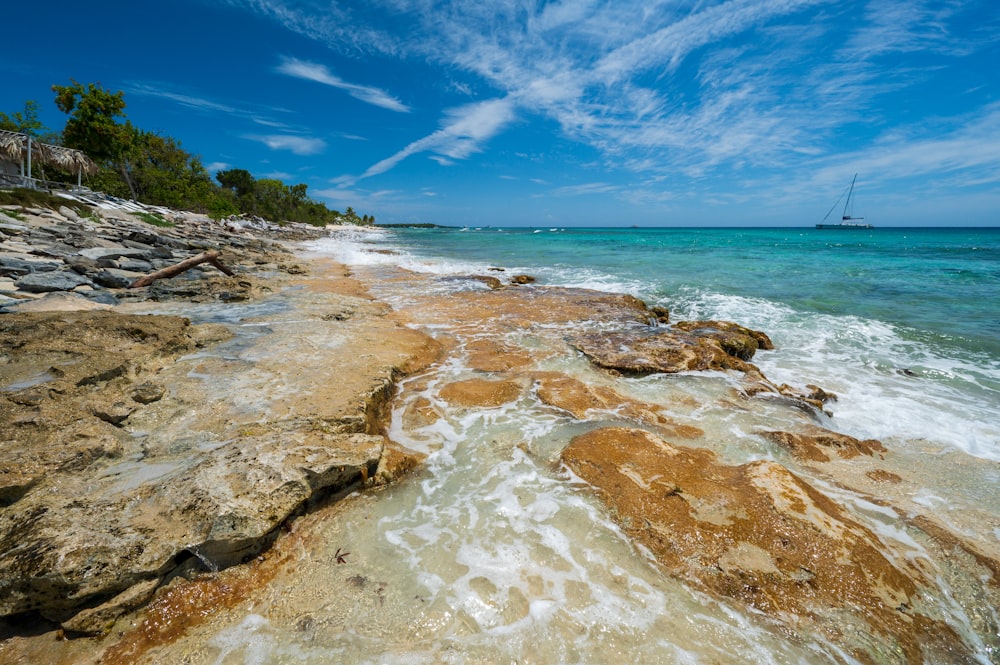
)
(759, 535)
(98, 253)
(114, 278)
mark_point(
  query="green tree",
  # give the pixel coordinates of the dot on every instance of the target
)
(239, 181)
(25, 122)
(93, 125)
(165, 174)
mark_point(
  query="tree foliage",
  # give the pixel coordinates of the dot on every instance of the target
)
(151, 168)
(93, 125)
(25, 122)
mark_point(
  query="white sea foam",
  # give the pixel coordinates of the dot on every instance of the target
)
(890, 387)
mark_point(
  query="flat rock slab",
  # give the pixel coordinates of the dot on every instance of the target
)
(760, 535)
(42, 282)
(481, 392)
(159, 474)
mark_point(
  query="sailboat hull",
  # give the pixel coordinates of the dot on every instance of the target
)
(851, 227)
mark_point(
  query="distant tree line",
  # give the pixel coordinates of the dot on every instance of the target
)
(150, 168)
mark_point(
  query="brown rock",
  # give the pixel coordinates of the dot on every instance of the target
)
(578, 398)
(652, 350)
(522, 279)
(481, 392)
(420, 413)
(758, 534)
(734, 338)
(489, 281)
(882, 476)
(488, 355)
(816, 444)
(148, 392)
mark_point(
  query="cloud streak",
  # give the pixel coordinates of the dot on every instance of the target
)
(463, 132)
(300, 145)
(318, 73)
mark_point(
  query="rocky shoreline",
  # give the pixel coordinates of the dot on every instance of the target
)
(115, 479)
(148, 454)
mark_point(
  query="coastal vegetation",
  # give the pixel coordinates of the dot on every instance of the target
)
(154, 169)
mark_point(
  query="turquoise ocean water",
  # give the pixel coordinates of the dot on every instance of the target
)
(904, 324)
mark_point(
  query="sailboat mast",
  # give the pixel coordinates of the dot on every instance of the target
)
(849, 194)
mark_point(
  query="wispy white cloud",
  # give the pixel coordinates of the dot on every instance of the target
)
(259, 116)
(660, 86)
(300, 145)
(312, 71)
(217, 166)
(463, 133)
(586, 189)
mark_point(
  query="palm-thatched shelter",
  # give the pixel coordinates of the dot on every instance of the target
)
(18, 150)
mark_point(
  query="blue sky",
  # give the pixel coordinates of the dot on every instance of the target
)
(579, 112)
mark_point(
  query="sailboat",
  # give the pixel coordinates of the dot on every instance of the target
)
(847, 219)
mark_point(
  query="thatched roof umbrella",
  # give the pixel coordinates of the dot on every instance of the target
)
(14, 147)
(11, 145)
(66, 158)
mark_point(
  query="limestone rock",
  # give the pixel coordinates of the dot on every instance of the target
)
(224, 508)
(578, 398)
(487, 355)
(735, 339)
(648, 350)
(816, 444)
(760, 535)
(481, 392)
(148, 392)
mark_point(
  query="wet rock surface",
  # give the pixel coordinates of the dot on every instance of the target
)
(759, 534)
(132, 452)
(686, 346)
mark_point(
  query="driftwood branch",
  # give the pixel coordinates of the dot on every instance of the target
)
(176, 269)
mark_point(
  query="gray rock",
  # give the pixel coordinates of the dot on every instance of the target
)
(135, 265)
(69, 214)
(82, 265)
(113, 278)
(51, 281)
(99, 296)
(98, 253)
(11, 266)
(10, 226)
(56, 301)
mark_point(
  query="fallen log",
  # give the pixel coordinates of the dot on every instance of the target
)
(176, 269)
